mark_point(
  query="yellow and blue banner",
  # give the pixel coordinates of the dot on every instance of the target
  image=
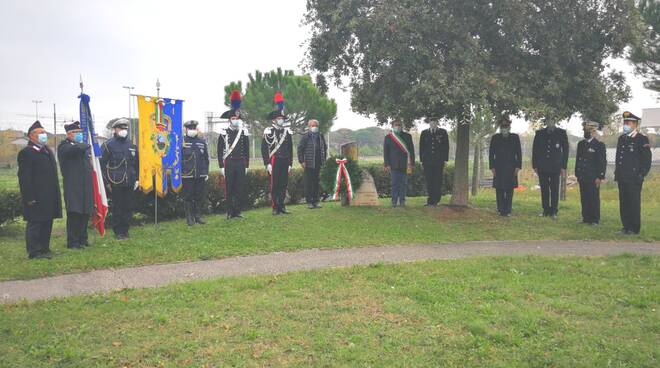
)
(159, 143)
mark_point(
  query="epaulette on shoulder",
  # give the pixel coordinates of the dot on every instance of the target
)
(268, 131)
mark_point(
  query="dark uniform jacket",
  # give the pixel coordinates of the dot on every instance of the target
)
(550, 151)
(76, 167)
(394, 156)
(240, 152)
(633, 158)
(119, 162)
(194, 158)
(434, 147)
(38, 181)
(590, 161)
(312, 150)
(271, 137)
(505, 156)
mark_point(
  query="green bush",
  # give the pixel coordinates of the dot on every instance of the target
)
(257, 194)
(416, 182)
(10, 205)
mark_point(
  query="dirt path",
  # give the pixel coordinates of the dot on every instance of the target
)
(277, 263)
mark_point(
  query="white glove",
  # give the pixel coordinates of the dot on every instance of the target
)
(135, 186)
(289, 169)
(222, 171)
(206, 178)
(246, 170)
(269, 168)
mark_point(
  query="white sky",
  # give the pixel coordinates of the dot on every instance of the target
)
(195, 47)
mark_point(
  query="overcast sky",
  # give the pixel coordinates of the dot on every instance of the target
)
(195, 47)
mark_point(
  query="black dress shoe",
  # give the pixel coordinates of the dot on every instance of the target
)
(285, 212)
(275, 212)
(311, 206)
(317, 206)
(41, 256)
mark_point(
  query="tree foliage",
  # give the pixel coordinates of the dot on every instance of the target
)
(645, 55)
(407, 59)
(303, 99)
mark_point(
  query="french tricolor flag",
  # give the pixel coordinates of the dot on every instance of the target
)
(100, 197)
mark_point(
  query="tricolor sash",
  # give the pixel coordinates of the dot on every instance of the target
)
(402, 145)
(229, 150)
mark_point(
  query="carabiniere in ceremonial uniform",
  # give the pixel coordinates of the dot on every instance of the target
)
(119, 164)
(277, 154)
(194, 172)
(633, 163)
(234, 157)
(505, 161)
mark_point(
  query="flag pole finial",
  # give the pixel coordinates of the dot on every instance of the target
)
(81, 84)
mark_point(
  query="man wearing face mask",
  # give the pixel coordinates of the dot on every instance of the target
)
(633, 163)
(312, 153)
(505, 161)
(590, 166)
(277, 154)
(399, 160)
(234, 158)
(194, 172)
(434, 152)
(549, 160)
(119, 164)
(76, 166)
(40, 191)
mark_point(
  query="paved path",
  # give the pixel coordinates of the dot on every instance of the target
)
(277, 263)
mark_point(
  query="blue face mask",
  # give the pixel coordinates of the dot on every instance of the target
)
(43, 138)
(627, 129)
(78, 137)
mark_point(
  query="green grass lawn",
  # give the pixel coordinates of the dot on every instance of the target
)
(329, 227)
(495, 312)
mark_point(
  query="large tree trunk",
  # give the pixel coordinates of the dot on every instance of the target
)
(460, 191)
(476, 165)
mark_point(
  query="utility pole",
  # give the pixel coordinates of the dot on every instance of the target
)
(55, 127)
(36, 106)
(130, 117)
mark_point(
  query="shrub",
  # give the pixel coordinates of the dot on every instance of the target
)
(10, 205)
(416, 182)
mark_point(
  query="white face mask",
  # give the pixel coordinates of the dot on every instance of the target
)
(123, 133)
(433, 124)
(192, 133)
(235, 123)
(505, 131)
(397, 129)
(279, 122)
(43, 138)
(314, 129)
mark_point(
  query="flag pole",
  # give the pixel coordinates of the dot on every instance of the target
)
(155, 181)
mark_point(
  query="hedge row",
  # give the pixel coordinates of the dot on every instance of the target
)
(256, 192)
(10, 205)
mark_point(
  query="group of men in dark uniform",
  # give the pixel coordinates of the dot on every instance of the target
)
(39, 183)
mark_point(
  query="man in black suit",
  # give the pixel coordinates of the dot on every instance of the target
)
(76, 166)
(633, 163)
(505, 161)
(590, 166)
(549, 160)
(434, 152)
(399, 157)
(40, 191)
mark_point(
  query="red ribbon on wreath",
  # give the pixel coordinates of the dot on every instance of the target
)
(342, 172)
